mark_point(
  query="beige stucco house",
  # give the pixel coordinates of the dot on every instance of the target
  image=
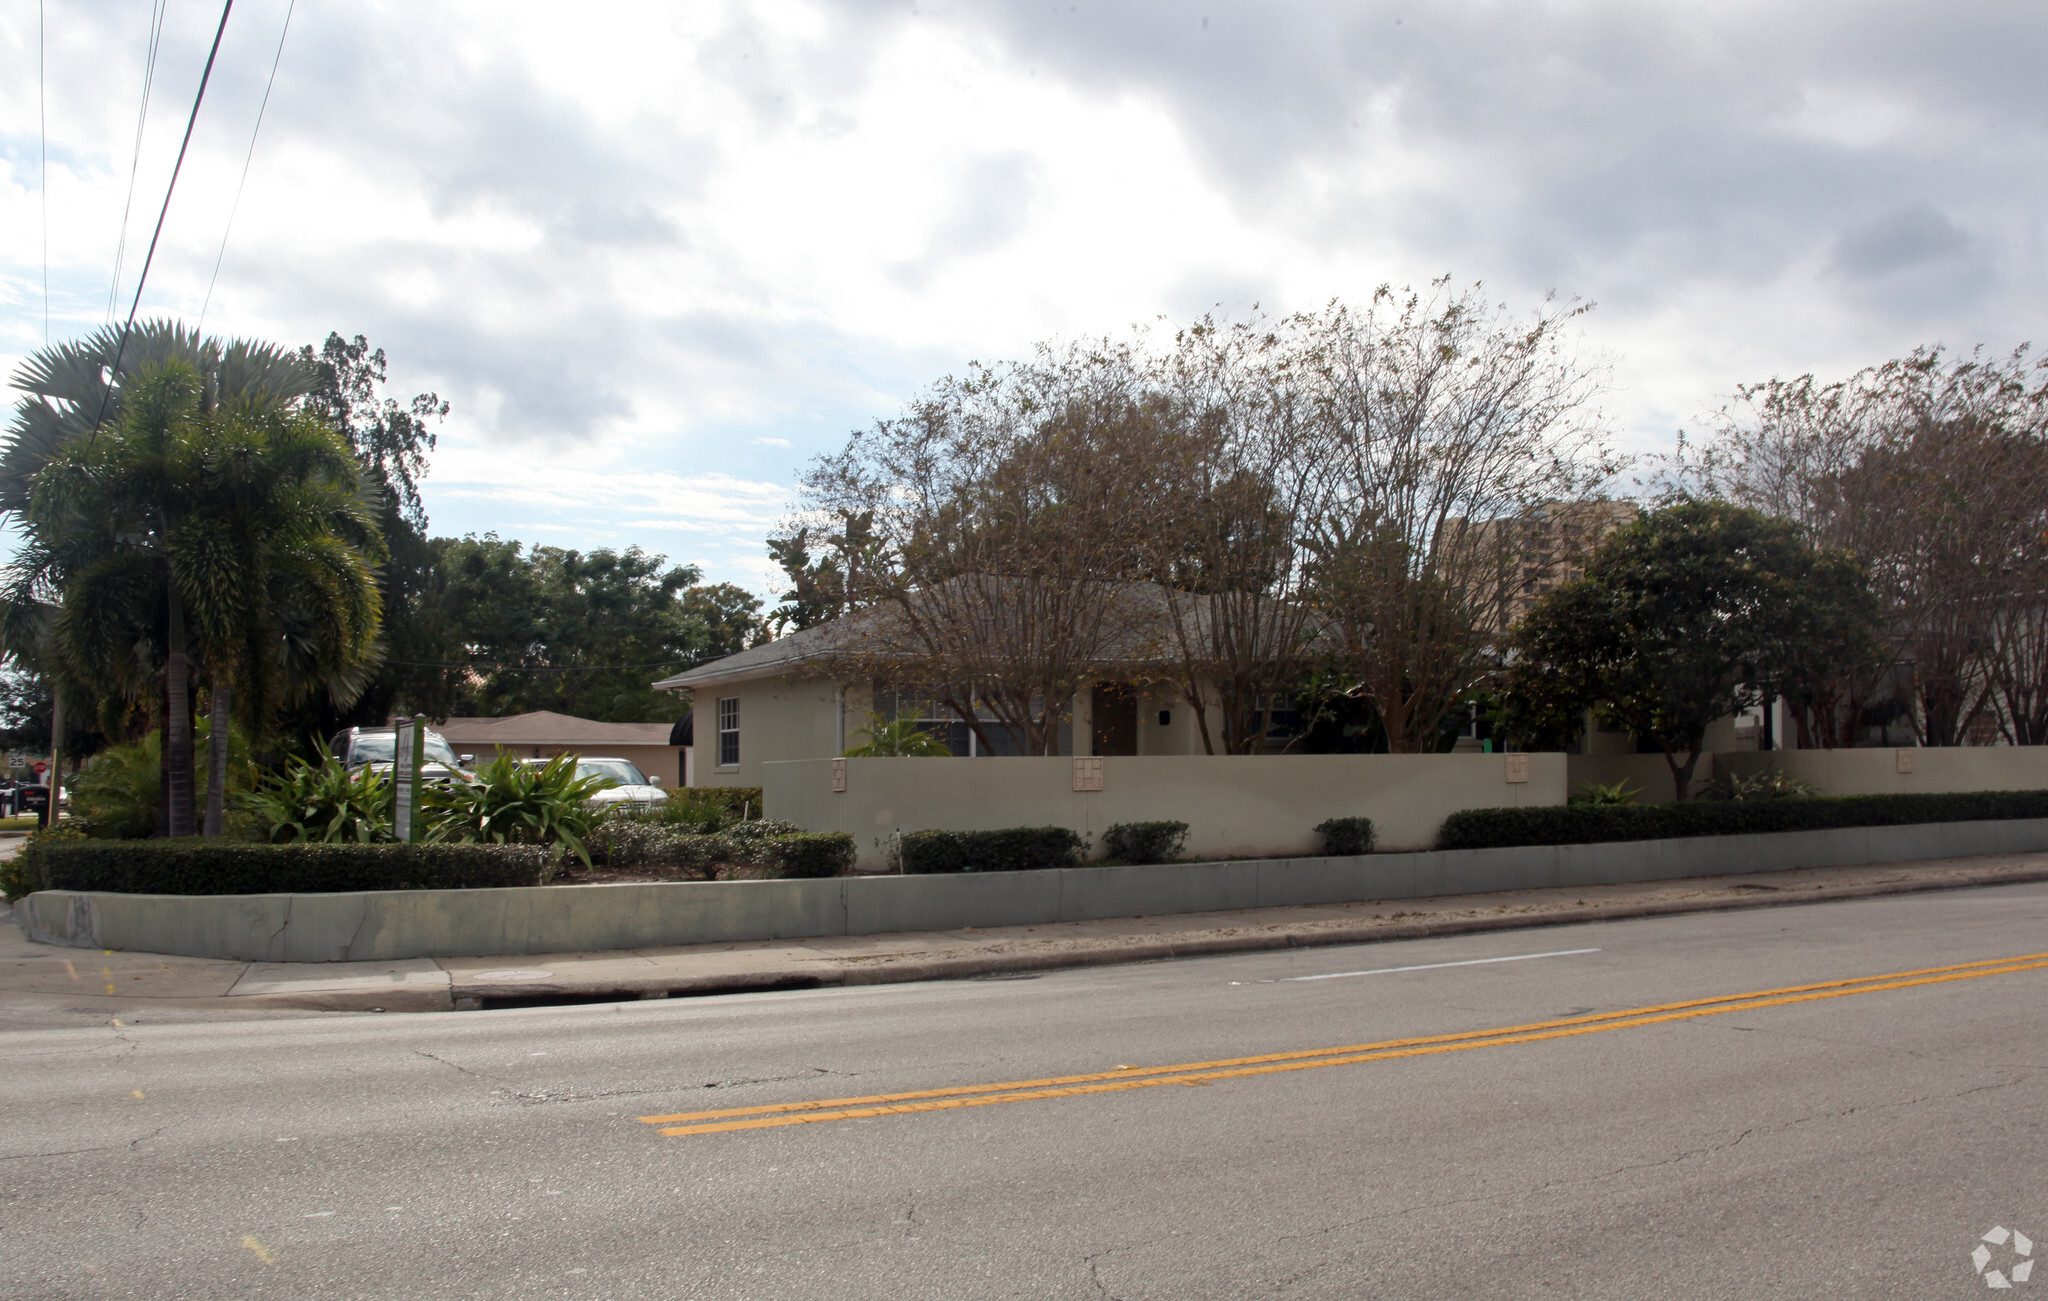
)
(784, 700)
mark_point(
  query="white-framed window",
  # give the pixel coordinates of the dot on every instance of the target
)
(729, 732)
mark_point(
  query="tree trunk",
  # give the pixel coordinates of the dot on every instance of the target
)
(217, 759)
(178, 726)
(1681, 774)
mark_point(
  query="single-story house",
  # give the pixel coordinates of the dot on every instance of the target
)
(809, 695)
(657, 749)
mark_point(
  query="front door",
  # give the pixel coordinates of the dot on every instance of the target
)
(1116, 719)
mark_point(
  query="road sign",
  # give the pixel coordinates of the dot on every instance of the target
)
(41, 767)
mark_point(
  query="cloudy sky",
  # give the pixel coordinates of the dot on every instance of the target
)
(657, 256)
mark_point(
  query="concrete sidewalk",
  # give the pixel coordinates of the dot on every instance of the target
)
(45, 984)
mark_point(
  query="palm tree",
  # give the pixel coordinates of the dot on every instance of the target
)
(72, 388)
(208, 521)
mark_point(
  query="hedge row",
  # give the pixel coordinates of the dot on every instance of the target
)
(213, 866)
(1014, 849)
(1581, 824)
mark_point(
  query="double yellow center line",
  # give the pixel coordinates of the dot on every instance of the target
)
(1123, 1079)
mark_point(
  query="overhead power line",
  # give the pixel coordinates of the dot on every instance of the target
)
(43, 130)
(163, 212)
(156, 32)
(246, 160)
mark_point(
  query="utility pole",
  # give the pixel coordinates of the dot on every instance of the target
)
(56, 747)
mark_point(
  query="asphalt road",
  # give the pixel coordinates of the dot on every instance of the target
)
(1852, 1140)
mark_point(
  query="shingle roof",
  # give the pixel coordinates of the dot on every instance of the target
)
(1144, 636)
(545, 727)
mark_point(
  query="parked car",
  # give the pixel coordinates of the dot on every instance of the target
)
(631, 785)
(375, 747)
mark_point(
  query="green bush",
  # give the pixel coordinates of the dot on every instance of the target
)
(1580, 824)
(1344, 837)
(734, 803)
(697, 808)
(1611, 793)
(325, 803)
(1770, 784)
(512, 803)
(807, 854)
(1145, 842)
(18, 875)
(761, 829)
(115, 796)
(211, 865)
(1015, 849)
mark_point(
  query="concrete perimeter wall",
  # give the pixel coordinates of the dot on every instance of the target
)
(1935, 769)
(387, 925)
(1234, 805)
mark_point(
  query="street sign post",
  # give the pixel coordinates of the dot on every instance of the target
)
(406, 757)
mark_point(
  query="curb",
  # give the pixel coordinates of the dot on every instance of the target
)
(471, 996)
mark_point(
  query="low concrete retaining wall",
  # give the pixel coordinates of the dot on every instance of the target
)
(390, 924)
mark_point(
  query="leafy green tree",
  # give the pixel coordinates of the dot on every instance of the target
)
(392, 441)
(825, 585)
(1686, 616)
(574, 632)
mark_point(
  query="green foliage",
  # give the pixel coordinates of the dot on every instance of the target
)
(1344, 837)
(828, 585)
(635, 843)
(803, 854)
(1145, 842)
(511, 803)
(1770, 784)
(1014, 849)
(118, 795)
(217, 866)
(732, 803)
(1610, 793)
(20, 874)
(323, 802)
(507, 621)
(1591, 823)
(1690, 614)
(898, 738)
(760, 829)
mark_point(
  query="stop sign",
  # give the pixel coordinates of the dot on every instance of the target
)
(41, 767)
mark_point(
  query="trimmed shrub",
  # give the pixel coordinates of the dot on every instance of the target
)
(735, 802)
(807, 854)
(1145, 842)
(1581, 824)
(211, 865)
(761, 829)
(1344, 837)
(1014, 849)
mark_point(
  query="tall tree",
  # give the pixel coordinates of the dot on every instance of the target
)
(1011, 502)
(575, 632)
(1694, 612)
(1933, 471)
(392, 440)
(1446, 424)
(221, 526)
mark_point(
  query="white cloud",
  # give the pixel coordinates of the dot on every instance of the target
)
(658, 256)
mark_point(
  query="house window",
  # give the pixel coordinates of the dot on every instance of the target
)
(729, 732)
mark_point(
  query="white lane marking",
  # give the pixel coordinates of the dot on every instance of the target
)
(1432, 966)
